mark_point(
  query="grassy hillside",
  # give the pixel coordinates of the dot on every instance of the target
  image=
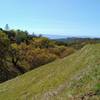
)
(74, 77)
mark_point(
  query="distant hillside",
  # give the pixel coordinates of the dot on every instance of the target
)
(77, 39)
(76, 42)
(76, 77)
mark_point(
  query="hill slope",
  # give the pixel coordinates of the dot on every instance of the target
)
(74, 77)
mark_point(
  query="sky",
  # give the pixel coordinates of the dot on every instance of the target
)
(54, 17)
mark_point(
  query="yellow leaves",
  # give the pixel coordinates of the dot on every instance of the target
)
(14, 46)
(4, 39)
(42, 42)
(40, 51)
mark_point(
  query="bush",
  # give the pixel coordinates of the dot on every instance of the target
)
(38, 57)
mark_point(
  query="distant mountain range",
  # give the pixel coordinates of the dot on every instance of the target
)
(54, 36)
(63, 36)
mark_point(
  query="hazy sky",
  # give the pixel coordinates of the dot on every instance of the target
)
(70, 17)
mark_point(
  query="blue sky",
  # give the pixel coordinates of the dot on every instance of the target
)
(69, 17)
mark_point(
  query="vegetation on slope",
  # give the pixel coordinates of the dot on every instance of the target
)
(74, 77)
(20, 52)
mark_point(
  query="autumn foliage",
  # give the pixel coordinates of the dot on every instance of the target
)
(21, 52)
